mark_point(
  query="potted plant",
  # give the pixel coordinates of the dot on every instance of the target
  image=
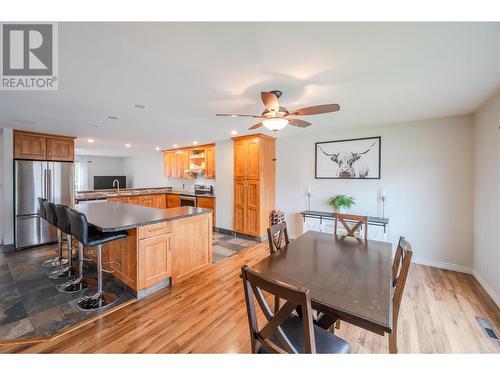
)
(340, 202)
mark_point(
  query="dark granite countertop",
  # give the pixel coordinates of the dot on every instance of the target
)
(115, 216)
(103, 194)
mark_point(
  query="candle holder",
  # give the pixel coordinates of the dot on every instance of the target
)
(383, 206)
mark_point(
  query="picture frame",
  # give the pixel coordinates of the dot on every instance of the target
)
(356, 158)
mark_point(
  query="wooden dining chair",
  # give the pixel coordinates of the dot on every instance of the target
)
(400, 268)
(359, 222)
(277, 235)
(284, 332)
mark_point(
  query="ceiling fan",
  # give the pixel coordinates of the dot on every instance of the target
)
(276, 117)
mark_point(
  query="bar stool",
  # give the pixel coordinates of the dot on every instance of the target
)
(62, 221)
(90, 237)
(78, 284)
(48, 210)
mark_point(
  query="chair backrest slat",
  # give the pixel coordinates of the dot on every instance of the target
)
(254, 284)
(277, 235)
(359, 222)
(400, 268)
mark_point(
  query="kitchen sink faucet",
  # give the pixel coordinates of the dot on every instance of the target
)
(117, 189)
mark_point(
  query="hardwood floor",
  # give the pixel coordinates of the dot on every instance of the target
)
(206, 314)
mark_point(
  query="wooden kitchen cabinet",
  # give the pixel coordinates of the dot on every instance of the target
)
(39, 146)
(247, 207)
(28, 146)
(207, 202)
(159, 201)
(167, 164)
(60, 149)
(155, 260)
(177, 162)
(191, 246)
(173, 200)
(247, 157)
(254, 183)
(210, 162)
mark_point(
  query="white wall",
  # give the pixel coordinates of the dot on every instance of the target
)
(486, 196)
(145, 171)
(224, 159)
(102, 166)
(426, 171)
(7, 187)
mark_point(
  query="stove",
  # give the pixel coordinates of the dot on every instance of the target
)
(203, 189)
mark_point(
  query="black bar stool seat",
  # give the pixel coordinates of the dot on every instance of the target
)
(48, 209)
(96, 237)
(91, 237)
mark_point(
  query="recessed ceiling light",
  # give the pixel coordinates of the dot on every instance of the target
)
(157, 148)
(139, 106)
(113, 117)
(195, 143)
(234, 116)
(90, 140)
(127, 145)
(94, 126)
(175, 146)
(234, 132)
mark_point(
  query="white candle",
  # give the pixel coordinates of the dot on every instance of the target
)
(308, 190)
(383, 193)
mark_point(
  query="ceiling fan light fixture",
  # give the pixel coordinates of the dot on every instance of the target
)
(275, 123)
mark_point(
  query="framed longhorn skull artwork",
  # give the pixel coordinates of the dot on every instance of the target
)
(348, 159)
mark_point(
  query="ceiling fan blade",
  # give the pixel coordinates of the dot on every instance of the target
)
(255, 126)
(270, 100)
(299, 123)
(235, 115)
(315, 110)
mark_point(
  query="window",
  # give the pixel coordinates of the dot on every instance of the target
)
(81, 176)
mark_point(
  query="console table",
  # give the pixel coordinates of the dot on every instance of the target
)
(330, 216)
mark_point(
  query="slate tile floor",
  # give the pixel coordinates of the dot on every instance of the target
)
(30, 304)
(224, 246)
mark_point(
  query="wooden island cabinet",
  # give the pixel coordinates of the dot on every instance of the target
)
(162, 247)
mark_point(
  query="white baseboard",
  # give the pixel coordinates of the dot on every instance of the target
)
(443, 265)
(494, 296)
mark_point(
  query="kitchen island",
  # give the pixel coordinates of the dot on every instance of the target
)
(163, 246)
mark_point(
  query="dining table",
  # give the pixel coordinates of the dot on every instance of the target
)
(348, 278)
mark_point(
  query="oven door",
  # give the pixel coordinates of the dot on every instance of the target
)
(187, 200)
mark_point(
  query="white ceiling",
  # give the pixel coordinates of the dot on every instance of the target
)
(184, 73)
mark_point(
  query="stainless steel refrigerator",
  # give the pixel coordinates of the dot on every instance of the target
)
(33, 179)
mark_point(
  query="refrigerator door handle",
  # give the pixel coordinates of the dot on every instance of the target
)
(45, 184)
(49, 185)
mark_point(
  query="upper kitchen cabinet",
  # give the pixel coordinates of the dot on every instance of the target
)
(210, 162)
(247, 157)
(189, 162)
(38, 146)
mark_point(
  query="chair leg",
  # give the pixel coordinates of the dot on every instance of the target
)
(78, 284)
(67, 271)
(57, 261)
(393, 339)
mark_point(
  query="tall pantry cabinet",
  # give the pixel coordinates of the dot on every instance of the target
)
(254, 183)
